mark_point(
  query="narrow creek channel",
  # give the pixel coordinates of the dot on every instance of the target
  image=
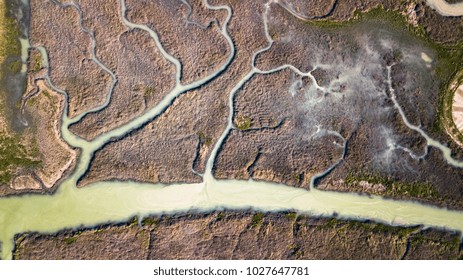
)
(108, 202)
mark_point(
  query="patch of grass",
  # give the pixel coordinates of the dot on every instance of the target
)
(395, 18)
(168, 219)
(292, 247)
(5, 177)
(10, 45)
(417, 239)
(37, 64)
(204, 139)
(12, 155)
(133, 222)
(297, 177)
(15, 66)
(331, 223)
(243, 122)
(47, 94)
(274, 35)
(149, 92)
(100, 230)
(34, 148)
(456, 241)
(301, 218)
(381, 228)
(396, 189)
(220, 216)
(449, 56)
(292, 216)
(70, 240)
(257, 219)
(10, 51)
(444, 245)
(415, 189)
(154, 222)
(369, 227)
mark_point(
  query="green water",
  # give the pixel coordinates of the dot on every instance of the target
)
(119, 201)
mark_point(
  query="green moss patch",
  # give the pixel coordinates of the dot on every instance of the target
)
(243, 122)
(12, 155)
(70, 240)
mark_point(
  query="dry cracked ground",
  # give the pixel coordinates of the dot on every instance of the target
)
(337, 109)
